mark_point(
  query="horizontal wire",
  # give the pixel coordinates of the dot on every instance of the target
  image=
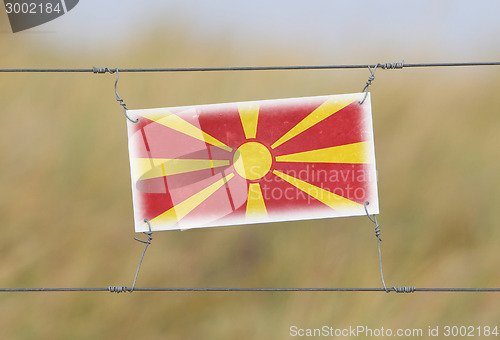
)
(247, 68)
(125, 289)
(119, 289)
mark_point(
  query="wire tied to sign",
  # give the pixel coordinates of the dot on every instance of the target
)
(373, 218)
(120, 100)
(102, 70)
(377, 235)
(122, 289)
(368, 83)
(147, 243)
(385, 66)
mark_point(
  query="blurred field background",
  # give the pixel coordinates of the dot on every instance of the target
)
(66, 209)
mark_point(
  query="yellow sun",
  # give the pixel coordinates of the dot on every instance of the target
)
(252, 160)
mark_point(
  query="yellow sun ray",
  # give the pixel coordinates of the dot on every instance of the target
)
(355, 153)
(325, 110)
(179, 211)
(147, 168)
(249, 115)
(256, 208)
(329, 198)
(175, 122)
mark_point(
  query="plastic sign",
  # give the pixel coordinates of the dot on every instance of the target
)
(252, 162)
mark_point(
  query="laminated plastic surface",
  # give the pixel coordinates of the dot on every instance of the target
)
(252, 162)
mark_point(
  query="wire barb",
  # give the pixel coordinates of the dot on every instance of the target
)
(102, 70)
(389, 66)
(118, 289)
(404, 289)
(252, 68)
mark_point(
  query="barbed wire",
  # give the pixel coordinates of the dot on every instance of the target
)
(121, 289)
(397, 65)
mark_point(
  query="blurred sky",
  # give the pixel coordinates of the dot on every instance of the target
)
(418, 30)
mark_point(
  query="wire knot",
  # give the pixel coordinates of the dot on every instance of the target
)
(370, 79)
(103, 70)
(148, 241)
(392, 66)
(378, 232)
(147, 233)
(118, 289)
(368, 82)
(403, 289)
(374, 220)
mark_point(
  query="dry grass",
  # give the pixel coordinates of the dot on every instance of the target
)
(66, 214)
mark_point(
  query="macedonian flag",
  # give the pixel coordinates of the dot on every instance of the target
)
(252, 162)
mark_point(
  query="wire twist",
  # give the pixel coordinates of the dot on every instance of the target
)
(404, 289)
(368, 83)
(117, 289)
(392, 66)
(103, 70)
(374, 220)
(371, 78)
